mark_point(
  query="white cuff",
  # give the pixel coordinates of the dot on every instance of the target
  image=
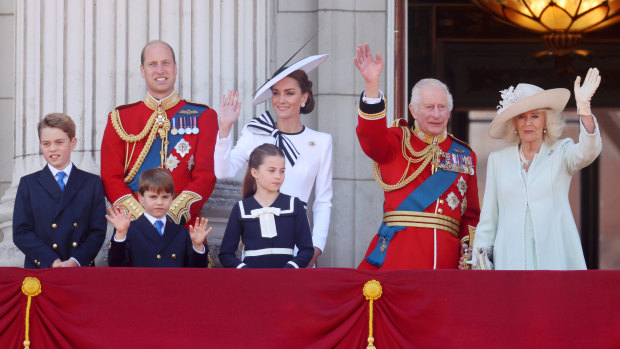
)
(223, 140)
(204, 249)
(76, 261)
(375, 100)
(293, 264)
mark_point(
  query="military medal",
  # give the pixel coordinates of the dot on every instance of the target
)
(195, 129)
(188, 129)
(181, 129)
(174, 130)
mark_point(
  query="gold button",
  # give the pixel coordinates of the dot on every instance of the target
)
(441, 202)
(110, 245)
(54, 225)
(38, 264)
(75, 224)
(439, 211)
(174, 256)
(54, 246)
(35, 261)
(158, 256)
(74, 244)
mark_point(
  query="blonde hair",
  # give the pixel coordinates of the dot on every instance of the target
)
(553, 124)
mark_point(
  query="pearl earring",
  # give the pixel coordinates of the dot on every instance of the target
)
(303, 105)
(545, 130)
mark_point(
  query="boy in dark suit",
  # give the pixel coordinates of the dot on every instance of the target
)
(153, 240)
(58, 218)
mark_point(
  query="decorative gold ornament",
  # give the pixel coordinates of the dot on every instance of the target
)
(372, 291)
(31, 287)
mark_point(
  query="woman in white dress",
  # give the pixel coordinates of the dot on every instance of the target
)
(308, 152)
(526, 221)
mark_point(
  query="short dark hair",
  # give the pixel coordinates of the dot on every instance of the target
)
(156, 42)
(156, 180)
(57, 120)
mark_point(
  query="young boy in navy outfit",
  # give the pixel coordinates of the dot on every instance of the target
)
(58, 217)
(152, 240)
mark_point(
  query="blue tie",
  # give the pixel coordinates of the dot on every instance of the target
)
(159, 225)
(61, 183)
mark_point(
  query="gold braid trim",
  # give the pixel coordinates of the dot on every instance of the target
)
(374, 116)
(130, 205)
(425, 156)
(469, 240)
(157, 123)
(116, 122)
(180, 206)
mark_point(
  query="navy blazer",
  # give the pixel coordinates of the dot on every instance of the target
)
(49, 223)
(144, 247)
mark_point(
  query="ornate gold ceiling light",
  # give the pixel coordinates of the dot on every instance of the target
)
(561, 21)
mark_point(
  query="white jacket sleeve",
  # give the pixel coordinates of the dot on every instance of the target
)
(582, 154)
(228, 160)
(321, 209)
(487, 226)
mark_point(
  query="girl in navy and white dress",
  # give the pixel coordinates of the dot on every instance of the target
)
(308, 152)
(270, 224)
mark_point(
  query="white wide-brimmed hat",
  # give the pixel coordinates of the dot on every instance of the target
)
(524, 98)
(307, 65)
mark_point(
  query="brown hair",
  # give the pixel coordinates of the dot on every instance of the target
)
(257, 157)
(306, 87)
(156, 180)
(156, 42)
(58, 120)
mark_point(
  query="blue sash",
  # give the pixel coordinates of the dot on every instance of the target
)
(419, 199)
(153, 158)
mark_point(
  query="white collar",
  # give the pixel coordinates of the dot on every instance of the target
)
(153, 219)
(66, 170)
(163, 99)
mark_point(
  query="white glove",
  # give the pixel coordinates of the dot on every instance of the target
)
(584, 93)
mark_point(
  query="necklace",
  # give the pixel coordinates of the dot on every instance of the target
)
(526, 163)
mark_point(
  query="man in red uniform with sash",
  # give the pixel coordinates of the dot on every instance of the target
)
(428, 176)
(160, 131)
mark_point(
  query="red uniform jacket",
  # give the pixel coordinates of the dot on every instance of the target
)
(416, 247)
(192, 174)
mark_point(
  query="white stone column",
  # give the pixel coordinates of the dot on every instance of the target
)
(358, 201)
(82, 57)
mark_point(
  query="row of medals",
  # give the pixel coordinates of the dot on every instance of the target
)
(190, 123)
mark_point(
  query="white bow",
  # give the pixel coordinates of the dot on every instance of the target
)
(267, 221)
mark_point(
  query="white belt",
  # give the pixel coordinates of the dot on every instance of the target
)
(266, 251)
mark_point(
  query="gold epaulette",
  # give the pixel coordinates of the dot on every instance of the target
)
(180, 206)
(395, 123)
(130, 205)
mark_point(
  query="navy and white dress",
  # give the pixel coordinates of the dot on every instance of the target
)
(269, 234)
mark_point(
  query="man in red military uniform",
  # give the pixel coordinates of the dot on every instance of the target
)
(431, 193)
(160, 131)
